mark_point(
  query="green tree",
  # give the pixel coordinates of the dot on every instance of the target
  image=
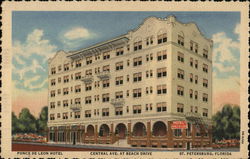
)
(42, 120)
(15, 123)
(226, 123)
(27, 122)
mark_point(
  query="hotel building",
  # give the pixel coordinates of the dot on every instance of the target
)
(131, 89)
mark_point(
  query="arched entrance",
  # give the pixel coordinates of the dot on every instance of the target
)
(121, 131)
(139, 129)
(90, 130)
(159, 129)
(104, 130)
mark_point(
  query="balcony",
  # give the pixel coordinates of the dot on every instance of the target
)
(118, 102)
(87, 78)
(75, 107)
(103, 75)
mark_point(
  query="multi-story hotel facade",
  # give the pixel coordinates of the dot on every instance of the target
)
(133, 88)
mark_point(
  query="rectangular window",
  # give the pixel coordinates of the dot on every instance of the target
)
(88, 72)
(177, 133)
(77, 100)
(137, 93)
(191, 93)
(78, 76)
(196, 95)
(119, 66)
(65, 116)
(196, 64)
(88, 114)
(194, 46)
(59, 79)
(205, 68)
(161, 107)
(88, 100)
(191, 62)
(97, 70)
(118, 111)
(149, 90)
(119, 51)
(205, 83)
(88, 87)
(88, 60)
(53, 70)
(66, 67)
(106, 55)
(97, 56)
(52, 105)
(65, 103)
(180, 107)
(65, 91)
(78, 88)
(138, 61)
(205, 112)
(77, 115)
(180, 57)
(52, 116)
(180, 40)
(97, 84)
(59, 68)
(118, 95)
(205, 97)
(196, 109)
(137, 45)
(78, 63)
(149, 40)
(162, 55)
(162, 89)
(180, 74)
(66, 79)
(105, 83)
(136, 109)
(180, 90)
(162, 38)
(53, 82)
(58, 115)
(106, 68)
(161, 72)
(119, 80)
(59, 91)
(105, 112)
(105, 97)
(137, 77)
(205, 53)
(196, 79)
(191, 77)
(58, 103)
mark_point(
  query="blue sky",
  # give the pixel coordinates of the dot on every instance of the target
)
(38, 35)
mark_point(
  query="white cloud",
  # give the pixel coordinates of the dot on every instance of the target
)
(237, 29)
(77, 33)
(223, 68)
(28, 82)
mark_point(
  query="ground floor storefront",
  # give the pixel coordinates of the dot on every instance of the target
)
(133, 134)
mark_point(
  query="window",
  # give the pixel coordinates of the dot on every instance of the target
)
(127, 93)
(119, 80)
(205, 83)
(77, 100)
(191, 108)
(58, 103)
(191, 93)
(196, 79)
(198, 132)
(136, 109)
(59, 79)
(137, 93)
(196, 64)
(59, 68)
(127, 78)
(106, 68)
(180, 90)
(205, 112)
(88, 100)
(180, 107)
(128, 47)
(58, 115)
(53, 82)
(205, 68)
(149, 40)
(88, 87)
(149, 107)
(78, 63)
(105, 97)
(66, 67)
(180, 57)
(97, 70)
(119, 66)
(96, 97)
(52, 105)
(105, 83)
(118, 111)
(191, 77)
(194, 46)
(137, 77)
(88, 114)
(88, 60)
(119, 51)
(180, 74)
(105, 112)
(88, 72)
(52, 116)
(161, 72)
(118, 95)
(138, 61)
(65, 116)
(177, 133)
(149, 57)
(53, 70)
(196, 95)
(78, 88)
(66, 79)
(77, 115)
(191, 62)
(78, 76)
(205, 97)
(59, 91)
(180, 40)
(161, 107)
(205, 53)
(149, 73)
(137, 45)
(52, 93)
(106, 55)
(162, 55)
(149, 90)
(196, 109)
(162, 89)
(97, 56)
(65, 103)
(162, 38)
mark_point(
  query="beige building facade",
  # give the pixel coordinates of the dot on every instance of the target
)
(133, 87)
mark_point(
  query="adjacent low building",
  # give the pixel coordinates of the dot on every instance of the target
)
(132, 88)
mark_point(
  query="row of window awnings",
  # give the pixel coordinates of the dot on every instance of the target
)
(99, 48)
